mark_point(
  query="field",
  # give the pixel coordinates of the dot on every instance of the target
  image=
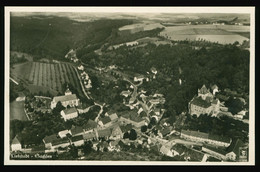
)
(223, 34)
(45, 77)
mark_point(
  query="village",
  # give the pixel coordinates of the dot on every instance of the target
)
(142, 125)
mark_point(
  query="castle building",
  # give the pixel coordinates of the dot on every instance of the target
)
(204, 103)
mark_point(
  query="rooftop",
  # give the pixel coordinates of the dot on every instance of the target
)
(198, 101)
(126, 128)
(70, 110)
(49, 139)
(219, 138)
(90, 125)
(15, 140)
(65, 98)
(105, 120)
(113, 116)
(195, 133)
(234, 146)
(89, 135)
(76, 130)
(77, 138)
(220, 151)
(104, 133)
(203, 90)
(133, 116)
(59, 141)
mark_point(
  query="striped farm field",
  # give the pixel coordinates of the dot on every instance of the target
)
(46, 76)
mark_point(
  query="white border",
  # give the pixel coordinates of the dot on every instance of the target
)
(250, 10)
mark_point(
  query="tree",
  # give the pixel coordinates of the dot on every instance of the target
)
(144, 128)
(132, 135)
(126, 135)
(153, 121)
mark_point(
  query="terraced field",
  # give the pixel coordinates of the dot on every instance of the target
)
(37, 76)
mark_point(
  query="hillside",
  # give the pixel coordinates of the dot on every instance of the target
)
(52, 36)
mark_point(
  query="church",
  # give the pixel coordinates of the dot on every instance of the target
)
(204, 103)
(68, 99)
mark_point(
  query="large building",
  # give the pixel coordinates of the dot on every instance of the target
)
(206, 138)
(204, 103)
(68, 99)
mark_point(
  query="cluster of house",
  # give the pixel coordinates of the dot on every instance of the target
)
(219, 147)
(85, 77)
(205, 102)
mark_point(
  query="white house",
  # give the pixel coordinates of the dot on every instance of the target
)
(64, 133)
(138, 78)
(68, 99)
(69, 113)
(81, 67)
(16, 145)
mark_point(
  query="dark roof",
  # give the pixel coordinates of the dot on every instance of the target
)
(90, 125)
(166, 131)
(59, 141)
(143, 114)
(105, 120)
(126, 128)
(77, 138)
(89, 135)
(195, 133)
(222, 97)
(152, 113)
(220, 151)
(49, 139)
(219, 138)
(198, 101)
(65, 98)
(179, 148)
(133, 116)
(70, 110)
(104, 133)
(234, 146)
(16, 140)
(204, 90)
(194, 155)
(76, 130)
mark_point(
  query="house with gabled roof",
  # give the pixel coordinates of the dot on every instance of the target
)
(166, 150)
(113, 117)
(76, 130)
(233, 150)
(16, 144)
(69, 113)
(215, 152)
(202, 137)
(89, 126)
(60, 142)
(116, 133)
(90, 135)
(104, 122)
(47, 140)
(105, 133)
(77, 140)
(131, 117)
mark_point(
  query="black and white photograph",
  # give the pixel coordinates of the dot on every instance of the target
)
(129, 86)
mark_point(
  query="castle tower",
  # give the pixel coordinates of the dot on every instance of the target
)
(68, 92)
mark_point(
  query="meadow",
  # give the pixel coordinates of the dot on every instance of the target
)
(223, 34)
